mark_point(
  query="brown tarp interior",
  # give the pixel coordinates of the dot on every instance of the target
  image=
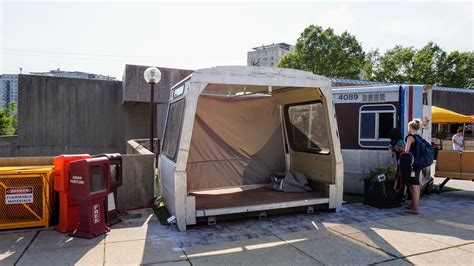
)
(235, 141)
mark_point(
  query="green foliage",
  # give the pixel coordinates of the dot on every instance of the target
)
(389, 171)
(290, 60)
(428, 65)
(8, 120)
(323, 52)
(372, 59)
(394, 65)
(458, 70)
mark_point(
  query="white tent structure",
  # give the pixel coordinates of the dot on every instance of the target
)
(229, 129)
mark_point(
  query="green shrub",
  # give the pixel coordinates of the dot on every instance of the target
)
(389, 171)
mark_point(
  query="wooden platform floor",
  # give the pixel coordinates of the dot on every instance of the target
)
(237, 197)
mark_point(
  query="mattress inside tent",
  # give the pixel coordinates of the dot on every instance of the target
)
(236, 146)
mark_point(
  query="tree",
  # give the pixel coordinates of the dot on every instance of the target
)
(372, 59)
(8, 120)
(428, 65)
(458, 70)
(290, 60)
(323, 52)
(393, 66)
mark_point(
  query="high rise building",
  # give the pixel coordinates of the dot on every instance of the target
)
(268, 55)
(8, 89)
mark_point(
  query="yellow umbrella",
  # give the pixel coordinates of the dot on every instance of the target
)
(440, 115)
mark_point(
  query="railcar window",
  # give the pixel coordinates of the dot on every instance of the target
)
(375, 123)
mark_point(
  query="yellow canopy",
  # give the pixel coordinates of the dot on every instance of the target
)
(440, 115)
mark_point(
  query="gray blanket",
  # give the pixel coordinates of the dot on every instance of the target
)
(290, 182)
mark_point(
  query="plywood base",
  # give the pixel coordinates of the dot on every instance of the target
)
(239, 197)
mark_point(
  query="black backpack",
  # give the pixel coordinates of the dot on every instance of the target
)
(424, 153)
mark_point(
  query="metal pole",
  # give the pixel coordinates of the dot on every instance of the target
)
(152, 118)
(464, 136)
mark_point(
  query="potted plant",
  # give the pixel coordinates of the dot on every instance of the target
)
(378, 188)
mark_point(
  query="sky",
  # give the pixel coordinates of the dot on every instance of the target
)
(101, 37)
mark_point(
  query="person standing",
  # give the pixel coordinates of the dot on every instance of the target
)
(397, 146)
(458, 141)
(414, 180)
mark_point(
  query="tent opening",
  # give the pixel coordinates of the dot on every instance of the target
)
(238, 142)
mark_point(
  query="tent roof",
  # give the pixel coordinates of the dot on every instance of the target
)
(441, 115)
(230, 80)
(247, 75)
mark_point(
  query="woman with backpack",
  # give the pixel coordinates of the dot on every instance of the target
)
(411, 140)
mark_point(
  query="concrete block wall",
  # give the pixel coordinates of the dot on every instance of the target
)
(136, 90)
(26, 161)
(66, 115)
(8, 146)
(138, 189)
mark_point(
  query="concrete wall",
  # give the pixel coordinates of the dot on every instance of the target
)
(8, 146)
(135, 89)
(26, 161)
(134, 146)
(67, 115)
(138, 187)
(137, 190)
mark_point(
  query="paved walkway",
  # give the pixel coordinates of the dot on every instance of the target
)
(442, 234)
(456, 183)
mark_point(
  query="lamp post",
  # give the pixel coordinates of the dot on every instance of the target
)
(152, 76)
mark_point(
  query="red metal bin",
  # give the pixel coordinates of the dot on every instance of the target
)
(89, 185)
(68, 208)
(110, 205)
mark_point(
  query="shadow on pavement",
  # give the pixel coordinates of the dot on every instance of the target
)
(359, 234)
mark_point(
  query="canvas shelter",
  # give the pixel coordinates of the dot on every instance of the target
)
(229, 129)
